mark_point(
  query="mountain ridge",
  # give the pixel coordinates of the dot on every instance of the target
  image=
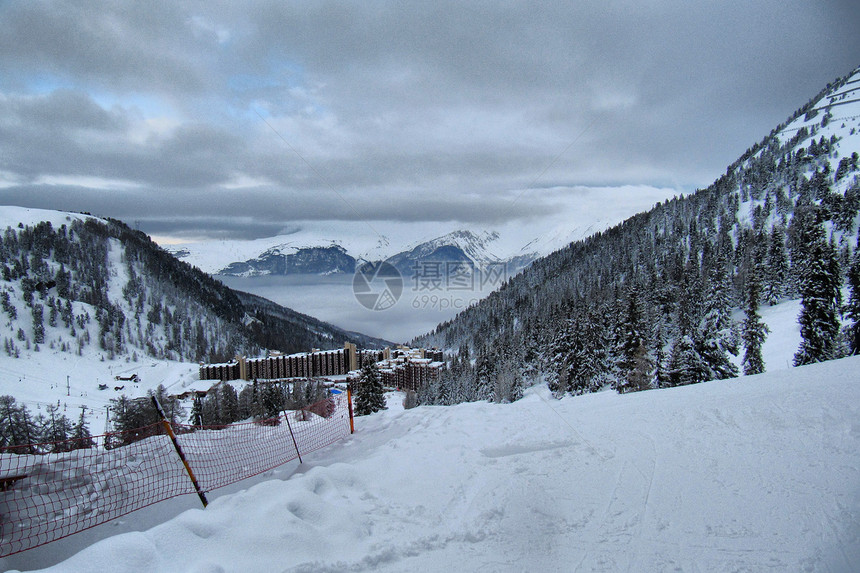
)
(669, 278)
(459, 246)
(73, 281)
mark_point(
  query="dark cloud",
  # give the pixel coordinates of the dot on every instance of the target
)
(126, 46)
(401, 110)
(263, 212)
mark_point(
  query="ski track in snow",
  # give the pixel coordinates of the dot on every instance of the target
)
(754, 474)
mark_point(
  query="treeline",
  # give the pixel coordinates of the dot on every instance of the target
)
(52, 432)
(134, 419)
(258, 401)
(649, 303)
(495, 376)
(221, 406)
(137, 418)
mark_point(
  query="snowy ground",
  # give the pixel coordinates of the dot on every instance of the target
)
(759, 473)
(755, 474)
(39, 378)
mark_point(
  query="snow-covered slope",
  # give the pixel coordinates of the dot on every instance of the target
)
(754, 474)
(11, 215)
(836, 114)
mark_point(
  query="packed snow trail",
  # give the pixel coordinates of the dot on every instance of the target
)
(755, 474)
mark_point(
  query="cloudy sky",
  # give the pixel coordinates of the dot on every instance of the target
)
(233, 119)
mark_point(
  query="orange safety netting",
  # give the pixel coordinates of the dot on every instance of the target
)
(50, 496)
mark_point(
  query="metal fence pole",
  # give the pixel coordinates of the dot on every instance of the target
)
(292, 435)
(170, 433)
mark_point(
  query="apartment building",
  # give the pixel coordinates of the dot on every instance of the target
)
(312, 364)
(407, 369)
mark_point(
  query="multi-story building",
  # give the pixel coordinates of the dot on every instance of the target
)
(407, 369)
(223, 371)
(302, 365)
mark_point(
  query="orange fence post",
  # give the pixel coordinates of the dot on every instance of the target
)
(349, 403)
(170, 433)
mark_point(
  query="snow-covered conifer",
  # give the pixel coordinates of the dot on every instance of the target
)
(820, 286)
(686, 366)
(369, 395)
(754, 330)
(715, 337)
(852, 309)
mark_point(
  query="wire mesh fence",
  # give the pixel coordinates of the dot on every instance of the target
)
(45, 497)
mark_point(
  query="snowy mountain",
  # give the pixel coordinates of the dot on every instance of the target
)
(306, 260)
(570, 216)
(661, 297)
(91, 310)
(325, 291)
(78, 285)
(456, 247)
(751, 475)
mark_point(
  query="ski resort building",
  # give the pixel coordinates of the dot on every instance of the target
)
(312, 364)
(402, 367)
(407, 368)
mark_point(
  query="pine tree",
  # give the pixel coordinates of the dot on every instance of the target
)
(38, 324)
(7, 305)
(777, 275)
(229, 411)
(254, 401)
(428, 393)
(561, 352)
(715, 337)
(754, 330)
(852, 309)
(508, 384)
(661, 369)
(81, 437)
(582, 354)
(273, 402)
(220, 407)
(631, 348)
(689, 300)
(641, 375)
(133, 420)
(370, 395)
(463, 376)
(210, 409)
(484, 375)
(56, 430)
(169, 404)
(16, 427)
(820, 284)
(592, 366)
(686, 366)
(196, 416)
